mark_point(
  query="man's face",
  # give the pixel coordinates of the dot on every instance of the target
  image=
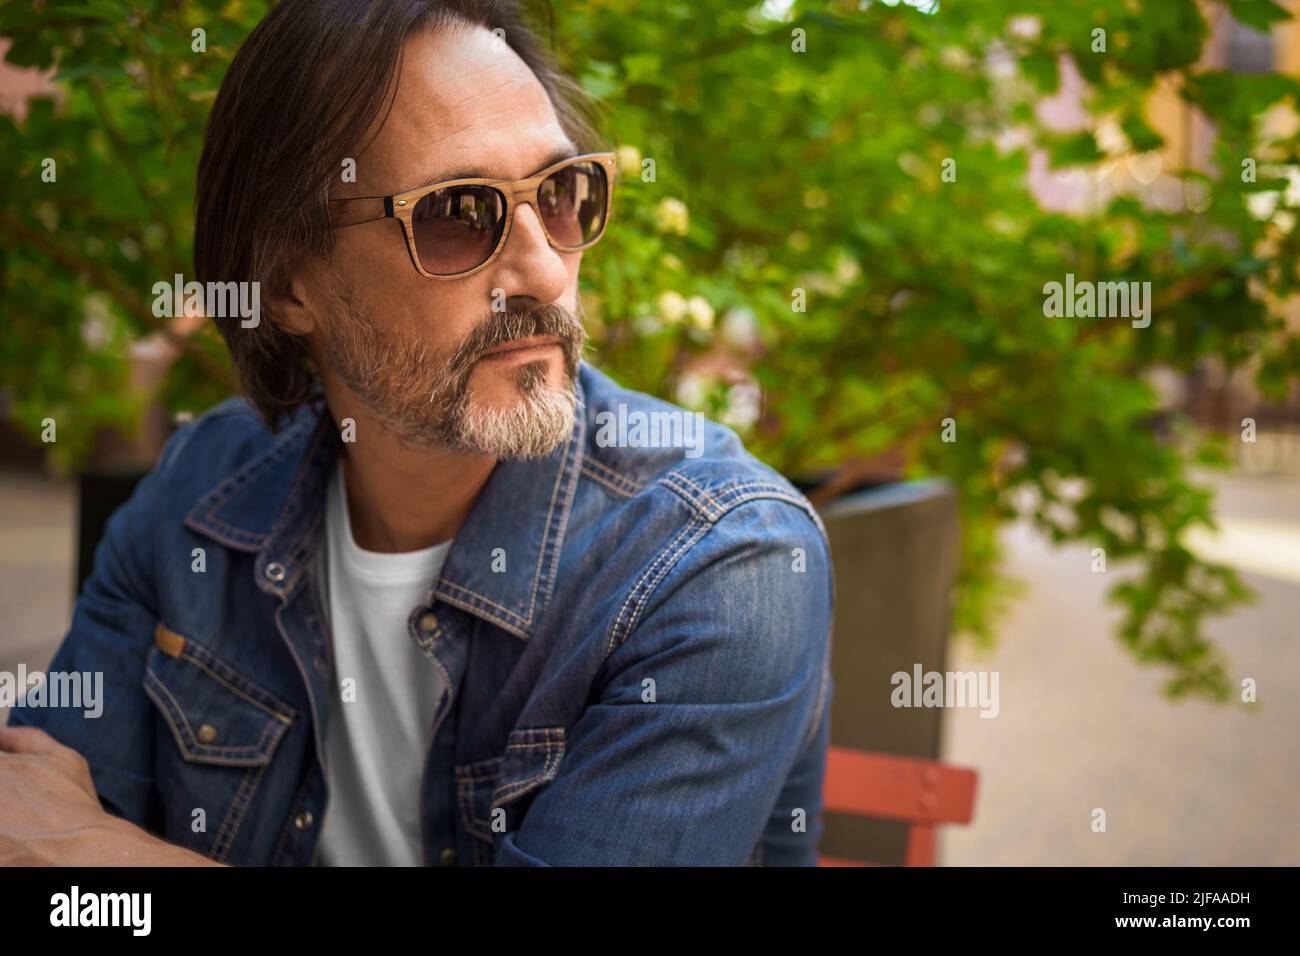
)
(412, 350)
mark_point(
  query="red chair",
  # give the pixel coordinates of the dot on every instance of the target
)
(921, 792)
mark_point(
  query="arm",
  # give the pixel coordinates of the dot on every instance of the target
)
(50, 815)
(736, 642)
(109, 755)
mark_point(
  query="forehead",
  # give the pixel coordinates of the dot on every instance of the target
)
(465, 104)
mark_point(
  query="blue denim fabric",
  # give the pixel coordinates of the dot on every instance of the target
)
(647, 682)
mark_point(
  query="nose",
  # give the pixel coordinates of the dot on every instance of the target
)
(528, 266)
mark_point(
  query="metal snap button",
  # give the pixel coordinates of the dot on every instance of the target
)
(448, 856)
(428, 621)
(303, 820)
(275, 571)
(207, 734)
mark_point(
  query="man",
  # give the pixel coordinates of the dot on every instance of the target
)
(420, 598)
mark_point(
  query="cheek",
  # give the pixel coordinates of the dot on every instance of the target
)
(388, 290)
(572, 263)
(372, 255)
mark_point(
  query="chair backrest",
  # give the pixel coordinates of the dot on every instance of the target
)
(921, 793)
(896, 553)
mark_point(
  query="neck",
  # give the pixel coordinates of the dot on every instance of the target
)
(401, 498)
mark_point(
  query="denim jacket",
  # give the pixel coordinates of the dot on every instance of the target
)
(634, 641)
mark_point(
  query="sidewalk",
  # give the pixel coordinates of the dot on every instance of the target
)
(1083, 726)
(37, 566)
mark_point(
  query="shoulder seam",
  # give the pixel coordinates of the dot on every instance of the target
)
(712, 505)
(645, 586)
(629, 612)
(615, 481)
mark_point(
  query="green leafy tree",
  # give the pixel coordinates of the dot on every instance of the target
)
(822, 196)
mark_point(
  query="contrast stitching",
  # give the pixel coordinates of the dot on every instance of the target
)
(551, 532)
(554, 752)
(172, 709)
(620, 484)
(715, 505)
(555, 539)
(291, 506)
(278, 715)
(219, 844)
(474, 607)
(476, 827)
(691, 532)
(205, 510)
(607, 484)
(279, 853)
(254, 778)
(486, 600)
(241, 802)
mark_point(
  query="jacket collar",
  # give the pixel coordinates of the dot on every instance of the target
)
(274, 507)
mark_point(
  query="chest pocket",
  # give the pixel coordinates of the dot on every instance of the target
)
(217, 734)
(494, 794)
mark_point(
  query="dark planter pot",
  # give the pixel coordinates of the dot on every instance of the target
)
(895, 555)
(99, 494)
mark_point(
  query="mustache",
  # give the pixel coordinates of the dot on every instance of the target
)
(500, 328)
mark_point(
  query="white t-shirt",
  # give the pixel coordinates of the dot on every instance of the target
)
(377, 736)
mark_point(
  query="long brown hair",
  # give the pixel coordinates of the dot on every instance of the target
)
(299, 96)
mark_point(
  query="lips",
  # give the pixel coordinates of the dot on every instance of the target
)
(521, 344)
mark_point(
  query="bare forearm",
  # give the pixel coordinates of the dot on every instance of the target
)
(50, 814)
(107, 842)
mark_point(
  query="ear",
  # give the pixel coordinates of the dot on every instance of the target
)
(293, 307)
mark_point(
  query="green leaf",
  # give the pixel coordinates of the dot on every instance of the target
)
(1257, 14)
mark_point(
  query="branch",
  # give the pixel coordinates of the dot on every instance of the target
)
(125, 296)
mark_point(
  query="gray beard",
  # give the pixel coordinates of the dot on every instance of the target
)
(425, 400)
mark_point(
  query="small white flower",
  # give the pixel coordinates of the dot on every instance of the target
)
(955, 57)
(672, 306)
(846, 270)
(693, 390)
(629, 160)
(672, 216)
(1026, 27)
(701, 313)
(1261, 205)
(1111, 138)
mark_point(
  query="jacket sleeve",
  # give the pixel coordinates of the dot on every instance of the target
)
(110, 634)
(715, 686)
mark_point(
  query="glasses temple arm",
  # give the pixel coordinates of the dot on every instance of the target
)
(356, 210)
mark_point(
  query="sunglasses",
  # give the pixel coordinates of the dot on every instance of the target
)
(456, 228)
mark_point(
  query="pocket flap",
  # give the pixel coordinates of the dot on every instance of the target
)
(216, 715)
(531, 761)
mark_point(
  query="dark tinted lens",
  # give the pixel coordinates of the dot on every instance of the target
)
(457, 228)
(573, 202)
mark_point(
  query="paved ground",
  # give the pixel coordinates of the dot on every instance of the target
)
(37, 567)
(1081, 726)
